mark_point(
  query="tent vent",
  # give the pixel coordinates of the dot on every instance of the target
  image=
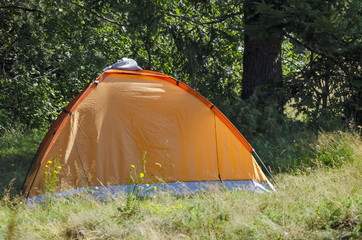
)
(212, 106)
(125, 64)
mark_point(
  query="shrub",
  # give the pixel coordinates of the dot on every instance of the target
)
(17, 149)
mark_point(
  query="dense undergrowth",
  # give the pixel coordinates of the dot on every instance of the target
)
(17, 150)
(320, 199)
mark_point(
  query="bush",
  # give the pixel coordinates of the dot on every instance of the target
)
(17, 150)
(289, 143)
(283, 143)
(335, 149)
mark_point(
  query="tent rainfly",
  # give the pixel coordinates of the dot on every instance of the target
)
(133, 127)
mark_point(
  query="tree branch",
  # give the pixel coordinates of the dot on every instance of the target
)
(181, 17)
(302, 44)
(97, 15)
(21, 8)
(218, 19)
(223, 18)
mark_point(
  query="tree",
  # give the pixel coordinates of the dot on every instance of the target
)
(50, 50)
(262, 50)
(330, 32)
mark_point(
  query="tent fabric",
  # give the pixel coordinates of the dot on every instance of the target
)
(132, 122)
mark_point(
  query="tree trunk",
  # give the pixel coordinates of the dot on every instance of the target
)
(262, 53)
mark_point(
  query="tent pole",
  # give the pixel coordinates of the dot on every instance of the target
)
(27, 174)
(266, 169)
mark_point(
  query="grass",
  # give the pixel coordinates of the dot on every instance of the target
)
(321, 200)
(17, 151)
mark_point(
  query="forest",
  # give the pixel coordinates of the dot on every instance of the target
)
(239, 54)
(287, 73)
(277, 69)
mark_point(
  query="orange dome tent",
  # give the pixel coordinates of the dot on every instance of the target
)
(133, 127)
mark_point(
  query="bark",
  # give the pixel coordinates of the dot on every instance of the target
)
(262, 53)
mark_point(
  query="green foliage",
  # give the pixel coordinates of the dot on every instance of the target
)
(130, 208)
(321, 55)
(52, 50)
(336, 149)
(285, 143)
(17, 150)
(281, 142)
(338, 215)
(330, 31)
(51, 175)
(43, 59)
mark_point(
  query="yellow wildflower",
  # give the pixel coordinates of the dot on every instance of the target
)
(147, 185)
(142, 175)
(154, 188)
(56, 172)
(46, 166)
(20, 203)
(59, 167)
(133, 166)
(50, 161)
